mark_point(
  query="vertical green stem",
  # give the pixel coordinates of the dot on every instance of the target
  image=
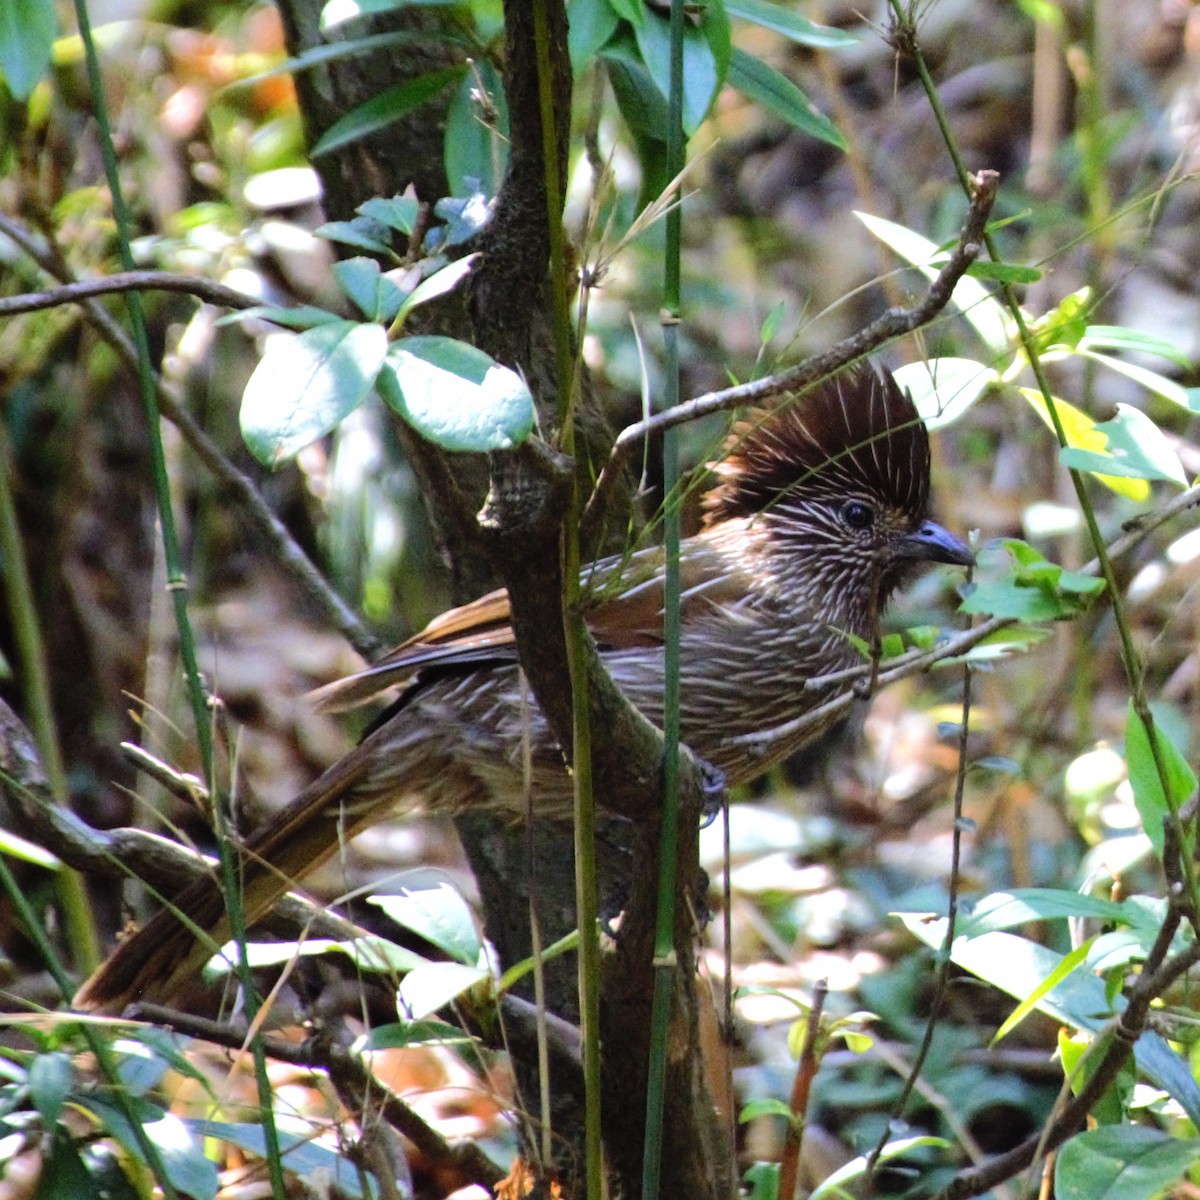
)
(664, 932)
(575, 634)
(177, 584)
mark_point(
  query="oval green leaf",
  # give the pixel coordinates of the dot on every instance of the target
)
(26, 40)
(1121, 1162)
(305, 385)
(701, 78)
(791, 24)
(455, 395)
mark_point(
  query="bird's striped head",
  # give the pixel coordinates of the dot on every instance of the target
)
(838, 479)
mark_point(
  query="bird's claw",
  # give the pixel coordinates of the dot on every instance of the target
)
(712, 785)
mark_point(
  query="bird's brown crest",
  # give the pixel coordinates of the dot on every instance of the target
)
(856, 432)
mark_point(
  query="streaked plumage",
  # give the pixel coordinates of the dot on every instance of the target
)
(819, 511)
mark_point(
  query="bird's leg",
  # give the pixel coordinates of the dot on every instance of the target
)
(712, 792)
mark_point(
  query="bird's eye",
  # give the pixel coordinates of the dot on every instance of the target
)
(858, 515)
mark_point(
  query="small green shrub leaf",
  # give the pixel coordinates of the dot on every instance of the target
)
(1121, 1162)
(833, 1184)
(401, 1034)
(1004, 272)
(433, 986)
(371, 292)
(438, 284)
(49, 1080)
(438, 914)
(592, 23)
(396, 212)
(1117, 337)
(1082, 434)
(27, 30)
(766, 1107)
(306, 384)
(1153, 803)
(456, 395)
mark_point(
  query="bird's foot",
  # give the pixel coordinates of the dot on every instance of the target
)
(712, 792)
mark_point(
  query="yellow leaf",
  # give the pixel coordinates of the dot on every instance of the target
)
(1082, 433)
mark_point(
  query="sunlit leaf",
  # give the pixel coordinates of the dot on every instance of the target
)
(456, 395)
(985, 314)
(437, 913)
(944, 388)
(1118, 337)
(306, 384)
(433, 986)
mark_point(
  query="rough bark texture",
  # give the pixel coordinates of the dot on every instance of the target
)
(519, 538)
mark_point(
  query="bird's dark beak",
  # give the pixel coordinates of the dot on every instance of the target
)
(932, 543)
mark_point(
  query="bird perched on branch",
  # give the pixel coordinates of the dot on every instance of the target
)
(819, 512)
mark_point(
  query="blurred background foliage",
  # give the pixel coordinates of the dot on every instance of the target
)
(1089, 112)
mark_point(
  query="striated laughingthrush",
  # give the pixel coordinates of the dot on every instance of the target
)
(819, 512)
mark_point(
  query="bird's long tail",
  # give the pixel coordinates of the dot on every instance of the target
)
(167, 953)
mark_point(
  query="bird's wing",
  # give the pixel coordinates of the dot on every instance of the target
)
(624, 599)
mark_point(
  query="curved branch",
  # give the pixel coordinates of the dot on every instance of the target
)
(77, 291)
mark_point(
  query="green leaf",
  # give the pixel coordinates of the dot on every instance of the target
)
(592, 23)
(363, 235)
(791, 24)
(307, 1158)
(1118, 337)
(1004, 272)
(1067, 966)
(1081, 434)
(944, 388)
(1152, 802)
(476, 141)
(433, 986)
(396, 212)
(306, 384)
(763, 1180)
(371, 292)
(385, 109)
(455, 395)
(633, 11)
(985, 314)
(49, 1079)
(1064, 326)
(303, 316)
(438, 284)
(857, 1166)
(64, 1175)
(438, 914)
(15, 846)
(701, 79)
(1035, 589)
(1121, 1162)
(402, 1034)
(1152, 381)
(639, 98)
(1005, 910)
(1134, 447)
(368, 953)
(27, 29)
(777, 94)
(766, 1107)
